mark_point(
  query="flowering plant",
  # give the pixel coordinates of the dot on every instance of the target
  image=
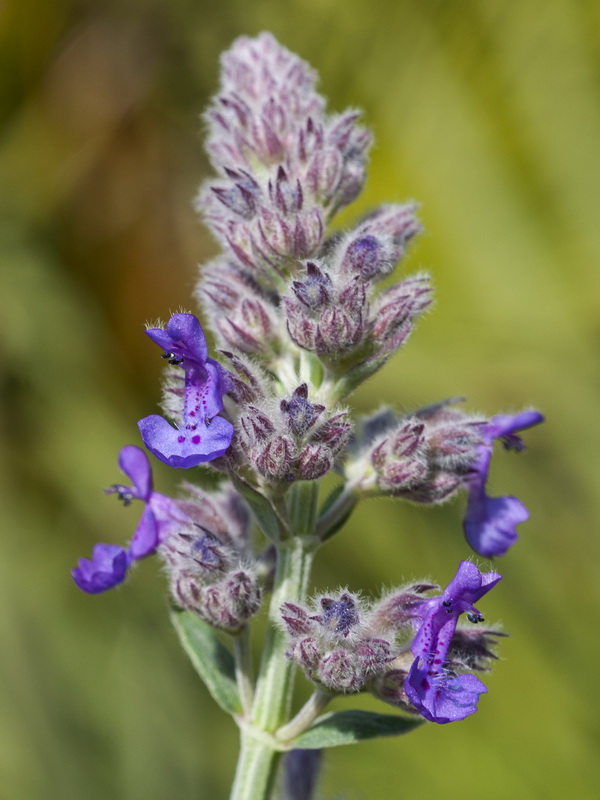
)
(300, 321)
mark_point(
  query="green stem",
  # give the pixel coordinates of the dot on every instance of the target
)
(243, 668)
(272, 699)
(305, 717)
(256, 768)
(274, 686)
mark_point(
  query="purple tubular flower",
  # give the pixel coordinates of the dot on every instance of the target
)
(490, 522)
(438, 693)
(109, 563)
(107, 568)
(204, 435)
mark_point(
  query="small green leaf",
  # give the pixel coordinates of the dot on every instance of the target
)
(264, 513)
(348, 727)
(335, 511)
(211, 659)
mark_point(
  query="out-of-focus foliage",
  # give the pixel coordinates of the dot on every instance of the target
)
(486, 112)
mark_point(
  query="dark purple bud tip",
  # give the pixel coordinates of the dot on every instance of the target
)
(338, 615)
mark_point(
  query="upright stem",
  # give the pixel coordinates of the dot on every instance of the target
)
(273, 688)
(255, 773)
(271, 708)
(243, 668)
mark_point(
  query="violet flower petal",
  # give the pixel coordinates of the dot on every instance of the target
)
(107, 568)
(183, 336)
(134, 463)
(146, 537)
(508, 424)
(490, 522)
(443, 696)
(183, 449)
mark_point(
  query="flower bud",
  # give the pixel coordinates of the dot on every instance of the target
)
(364, 256)
(231, 602)
(324, 174)
(472, 648)
(242, 594)
(435, 489)
(299, 413)
(339, 672)
(389, 687)
(247, 386)
(399, 459)
(398, 610)
(395, 308)
(313, 462)
(275, 460)
(374, 654)
(315, 291)
(296, 619)
(305, 652)
(286, 198)
(335, 432)
(338, 330)
(454, 445)
(249, 327)
(256, 425)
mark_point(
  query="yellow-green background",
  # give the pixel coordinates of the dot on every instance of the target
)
(488, 113)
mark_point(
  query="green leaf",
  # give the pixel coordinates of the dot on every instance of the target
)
(264, 513)
(348, 727)
(211, 659)
(335, 511)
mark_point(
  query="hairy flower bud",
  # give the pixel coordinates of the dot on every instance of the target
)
(398, 609)
(397, 307)
(399, 458)
(300, 414)
(199, 551)
(313, 462)
(256, 425)
(275, 460)
(227, 604)
(336, 646)
(339, 672)
(316, 290)
(389, 687)
(472, 648)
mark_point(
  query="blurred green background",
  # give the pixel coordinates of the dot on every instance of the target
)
(487, 112)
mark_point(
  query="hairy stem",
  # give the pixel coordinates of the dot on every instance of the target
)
(305, 717)
(271, 707)
(243, 669)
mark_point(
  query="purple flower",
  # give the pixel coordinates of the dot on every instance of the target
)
(203, 435)
(109, 563)
(434, 689)
(107, 568)
(490, 522)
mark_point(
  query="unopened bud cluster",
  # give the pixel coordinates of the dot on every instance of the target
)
(208, 577)
(285, 166)
(423, 456)
(331, 308)
(287, 438)
(339, 647)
